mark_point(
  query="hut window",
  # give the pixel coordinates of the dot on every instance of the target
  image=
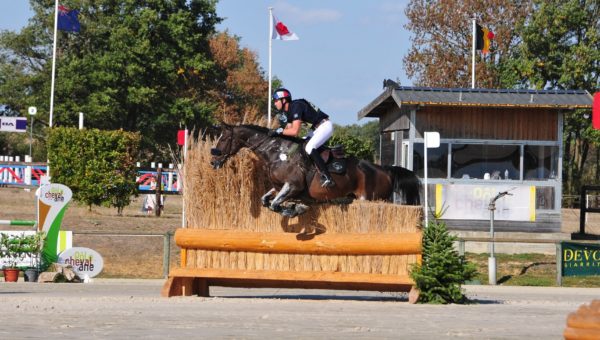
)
(540, 162)
(485, 161)
(437, 165)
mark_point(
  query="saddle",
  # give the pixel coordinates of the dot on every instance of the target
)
(334, 158)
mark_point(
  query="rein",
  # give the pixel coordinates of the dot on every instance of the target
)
(257, 144)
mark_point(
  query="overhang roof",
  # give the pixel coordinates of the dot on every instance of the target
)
(424, 96)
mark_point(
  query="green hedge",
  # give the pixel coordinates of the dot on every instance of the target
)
(97, 165)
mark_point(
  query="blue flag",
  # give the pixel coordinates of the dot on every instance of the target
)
(67, 20)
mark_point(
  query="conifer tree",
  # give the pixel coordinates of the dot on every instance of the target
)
(443, 270)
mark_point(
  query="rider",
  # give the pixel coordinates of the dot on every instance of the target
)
(294, 112)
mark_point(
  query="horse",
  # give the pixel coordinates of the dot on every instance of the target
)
(292, 173)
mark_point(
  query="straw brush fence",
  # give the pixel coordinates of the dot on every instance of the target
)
(230, 239)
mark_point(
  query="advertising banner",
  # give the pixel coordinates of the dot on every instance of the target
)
(13, 124)
(580, 259)
(52, 204)
(85, 261)
(471, 202)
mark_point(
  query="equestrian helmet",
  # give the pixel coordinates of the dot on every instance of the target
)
(281, 93)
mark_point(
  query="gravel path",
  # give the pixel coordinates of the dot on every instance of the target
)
(133, 308)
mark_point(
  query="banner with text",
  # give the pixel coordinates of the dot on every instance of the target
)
(580, 259)
(471, 202)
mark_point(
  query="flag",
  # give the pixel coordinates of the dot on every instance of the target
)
(67, 20)
(181, 137)
(280, 31)
(483, 38)
(596, 111)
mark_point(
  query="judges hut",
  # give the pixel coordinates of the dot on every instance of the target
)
(491, 141)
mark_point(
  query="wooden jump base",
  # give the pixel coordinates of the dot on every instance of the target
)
(584, 323)
(195, 278)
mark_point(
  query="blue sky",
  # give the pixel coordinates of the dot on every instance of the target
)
(346, 47)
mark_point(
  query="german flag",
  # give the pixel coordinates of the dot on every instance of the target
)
(483, 39)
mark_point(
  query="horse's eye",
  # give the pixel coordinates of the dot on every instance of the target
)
(215, 152)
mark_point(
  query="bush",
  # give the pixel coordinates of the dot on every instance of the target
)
(97, 165)
(443, 271)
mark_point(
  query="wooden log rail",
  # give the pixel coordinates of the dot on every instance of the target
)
(191, 281)
(289, 243)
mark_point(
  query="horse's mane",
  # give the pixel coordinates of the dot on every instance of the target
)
(264, 130)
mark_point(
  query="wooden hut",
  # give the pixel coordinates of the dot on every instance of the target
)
(491, 141)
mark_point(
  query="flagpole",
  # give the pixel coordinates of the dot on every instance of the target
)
(473, 53)
(270, 47)
(53, 61)
(52, 78)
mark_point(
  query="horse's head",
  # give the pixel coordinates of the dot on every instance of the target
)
(227, 146)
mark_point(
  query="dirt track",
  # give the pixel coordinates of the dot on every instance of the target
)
(134, 308)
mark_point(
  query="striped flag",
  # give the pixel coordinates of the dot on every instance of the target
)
(484, 37)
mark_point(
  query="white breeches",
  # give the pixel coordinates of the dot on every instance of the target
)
(320, 136)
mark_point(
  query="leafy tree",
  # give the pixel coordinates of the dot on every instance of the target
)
(149, 66)
(241, 87)
(440, 54)
(358, 140)
(442, 272)
(560, 49)
(97, 165)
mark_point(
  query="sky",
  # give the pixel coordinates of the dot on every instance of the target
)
(346, 47)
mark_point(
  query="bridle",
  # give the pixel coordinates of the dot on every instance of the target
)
(224, 156)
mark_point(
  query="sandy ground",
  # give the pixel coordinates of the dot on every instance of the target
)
(132, 308)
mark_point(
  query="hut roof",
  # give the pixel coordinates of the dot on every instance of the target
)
(395, 95)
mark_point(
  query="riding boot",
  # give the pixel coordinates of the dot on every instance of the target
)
(326, 180)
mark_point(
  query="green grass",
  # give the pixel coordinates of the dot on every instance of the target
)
(527, 270)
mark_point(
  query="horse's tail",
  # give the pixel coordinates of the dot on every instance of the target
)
(406, 184)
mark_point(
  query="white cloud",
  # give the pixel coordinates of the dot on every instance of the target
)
(306, 15)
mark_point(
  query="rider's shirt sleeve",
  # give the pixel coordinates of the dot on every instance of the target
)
(295, 112)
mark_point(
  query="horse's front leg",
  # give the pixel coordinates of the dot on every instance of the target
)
(266, 198)
(280, 198)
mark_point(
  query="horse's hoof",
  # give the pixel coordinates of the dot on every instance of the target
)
(275, 208)
(288, 213)
(300, 209)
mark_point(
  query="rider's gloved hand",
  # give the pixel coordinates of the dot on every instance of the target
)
(275, 132)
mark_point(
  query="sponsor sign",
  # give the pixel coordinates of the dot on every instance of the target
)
(85, 261)
(580, 259)
(13, 124)
(52, 204)
(471, 202)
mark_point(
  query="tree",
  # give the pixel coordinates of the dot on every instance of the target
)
(241, 87)
(440, 54)
(123, 69)
(360, 141)
(443, 270)
(560, 49)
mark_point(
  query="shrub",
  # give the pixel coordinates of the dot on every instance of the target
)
(443, 270)
(97, 165)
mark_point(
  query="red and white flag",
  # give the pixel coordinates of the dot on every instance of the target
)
(280, 31)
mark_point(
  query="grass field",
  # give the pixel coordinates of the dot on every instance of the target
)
(142, 256)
